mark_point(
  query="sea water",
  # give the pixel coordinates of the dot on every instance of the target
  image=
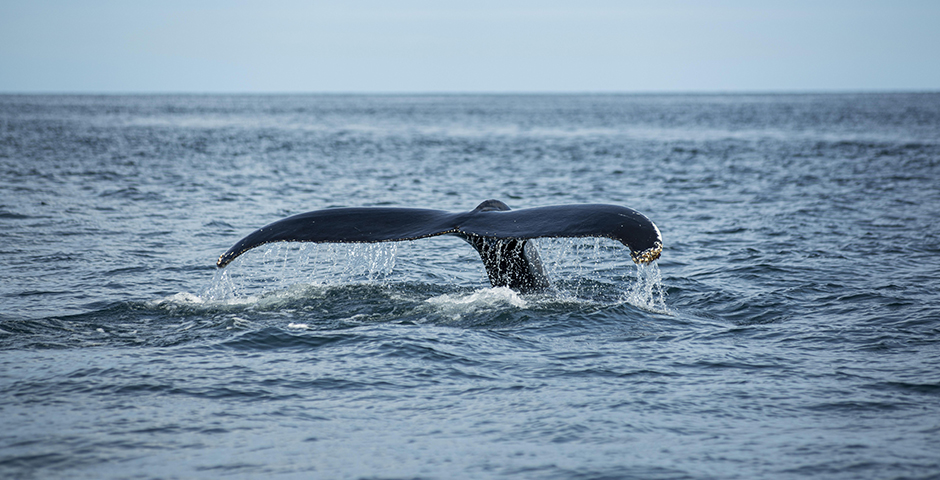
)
(791, 328)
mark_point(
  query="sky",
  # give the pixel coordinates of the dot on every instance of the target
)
(411, 46)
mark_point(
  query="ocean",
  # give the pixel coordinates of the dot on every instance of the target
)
(791, 328)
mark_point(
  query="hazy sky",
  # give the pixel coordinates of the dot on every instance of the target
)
(468, 46)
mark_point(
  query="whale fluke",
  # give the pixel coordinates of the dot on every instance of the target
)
(499, 234)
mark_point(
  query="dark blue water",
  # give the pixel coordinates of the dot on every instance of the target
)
(791, 328)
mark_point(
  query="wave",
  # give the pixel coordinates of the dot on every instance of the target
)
(186, 317)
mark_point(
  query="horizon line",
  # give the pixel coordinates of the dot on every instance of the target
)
(847, 91)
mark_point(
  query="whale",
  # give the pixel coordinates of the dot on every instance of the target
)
(499, 234)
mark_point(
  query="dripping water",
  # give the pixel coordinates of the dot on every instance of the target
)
(580, 270)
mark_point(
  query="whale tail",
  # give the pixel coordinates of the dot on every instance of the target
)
(499, 235)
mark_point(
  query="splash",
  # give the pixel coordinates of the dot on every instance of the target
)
(647, 292)
(284, 265)
(593, 270)
(597, 269)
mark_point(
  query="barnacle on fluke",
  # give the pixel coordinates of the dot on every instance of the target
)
(649, 255)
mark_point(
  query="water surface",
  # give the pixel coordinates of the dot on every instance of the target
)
(789, 330)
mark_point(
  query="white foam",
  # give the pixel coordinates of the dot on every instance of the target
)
(482, 298)
(181, 298)
(189, 300)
